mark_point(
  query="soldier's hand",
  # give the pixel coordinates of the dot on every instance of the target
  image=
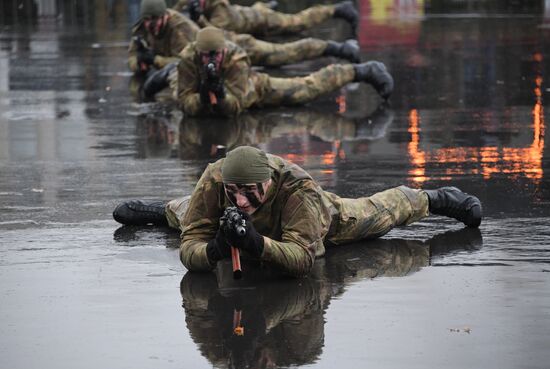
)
(217, 87)
(218, 248)
(252, 241)
(146, 56)
(195, 10)
(204, 93)
(211, 85)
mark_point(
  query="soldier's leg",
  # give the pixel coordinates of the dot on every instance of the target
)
(175, 210)
(261, 20)
(272, 54)
(374, 216)
(159, 80)
(300, 90)
(137, 212)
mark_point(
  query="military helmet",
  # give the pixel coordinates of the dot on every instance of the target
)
(210, 39)
(246, 164)
(152, 8)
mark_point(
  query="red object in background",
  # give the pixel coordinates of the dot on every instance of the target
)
(383, 23)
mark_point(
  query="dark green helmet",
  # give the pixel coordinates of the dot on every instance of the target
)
(152, 8)
(210, 39)
(246, 165)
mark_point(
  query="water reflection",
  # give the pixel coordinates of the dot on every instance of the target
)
(264, 322)
(301, 135)
(486, 160)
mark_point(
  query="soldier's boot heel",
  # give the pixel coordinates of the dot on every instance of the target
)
(452, 202)
(157, 81)
(376, 74)
(348, 50)
(136, 212)
(346, 10)
(272, 4)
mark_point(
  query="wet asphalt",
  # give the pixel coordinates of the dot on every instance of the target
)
(78, 291)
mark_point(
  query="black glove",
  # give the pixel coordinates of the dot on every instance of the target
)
(146, 56)
(195, 10)
(252, 241)
(203, 93)
(218, 248)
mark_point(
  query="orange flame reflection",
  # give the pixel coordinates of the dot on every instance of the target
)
(487, 161)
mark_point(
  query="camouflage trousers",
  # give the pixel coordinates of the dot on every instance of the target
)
(358, 219)
(376, 215)
(271, 54)
(261, 20)
(299, 90)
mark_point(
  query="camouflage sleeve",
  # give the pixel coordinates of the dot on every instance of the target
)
(236, 79)
(218, 13)
(162, 61)
(203, 22)
(182, 36)
(188, 83)
(181, 5)
(304, 225)
(200, 223)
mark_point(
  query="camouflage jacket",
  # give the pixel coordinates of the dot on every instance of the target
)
(294, 220)
(218, 13)
(239, 81)
(179, 32)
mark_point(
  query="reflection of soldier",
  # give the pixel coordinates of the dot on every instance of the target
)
(282, 321)
(288, 217)
(215, 76)
(160, 133)
(200, 139)
(260, 19)
(161, 34)
(331, 127)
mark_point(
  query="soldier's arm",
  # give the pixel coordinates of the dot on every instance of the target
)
(236, 80)
(304, 224)
(200, 224)
(181, 5)
(182, 35)
(188, 84)
(132, 57)
(218, 13)
(203, 22)
(132, 49)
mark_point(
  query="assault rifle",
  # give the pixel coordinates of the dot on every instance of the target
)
(141, 47)
(233, 221)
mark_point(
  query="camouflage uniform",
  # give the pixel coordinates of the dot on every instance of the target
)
(297, 219)
(180, 31)
(246, 88)
(259, 19)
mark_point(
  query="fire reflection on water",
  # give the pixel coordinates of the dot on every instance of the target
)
(485, 161)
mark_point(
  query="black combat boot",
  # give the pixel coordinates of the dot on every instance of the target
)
(273, 4)
(346, 50)
(452, 202)
(135, 212)
(376, 74)
(346, 10)
(157, 81)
